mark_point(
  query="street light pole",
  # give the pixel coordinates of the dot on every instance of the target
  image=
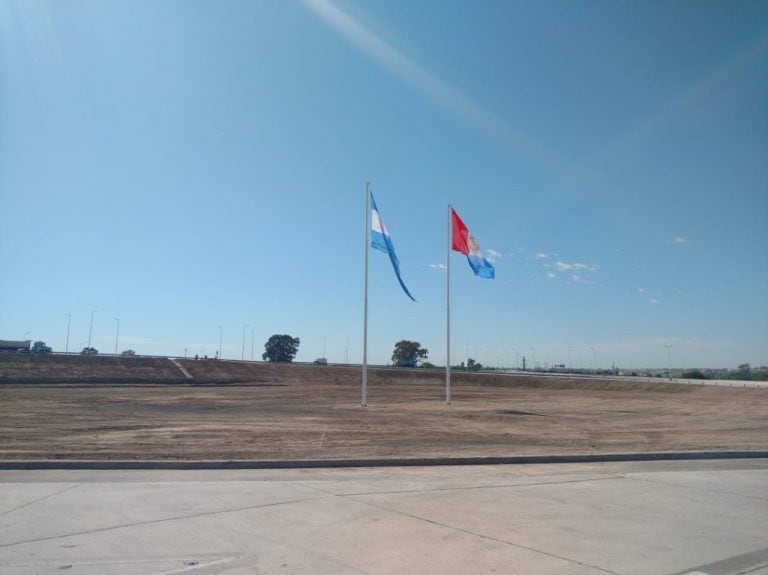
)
(253, 334)
(593, 360)
(346, 352)
(90, 331)
(324, 348)
(669, 361)
(570, 364)
(69, 321)
(242, 352)
(117, 333)
(517, 357)
(221, 331)
(533, 349)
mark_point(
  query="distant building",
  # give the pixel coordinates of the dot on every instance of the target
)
(14, 346)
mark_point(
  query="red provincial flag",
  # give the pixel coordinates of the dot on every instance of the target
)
(462, 241)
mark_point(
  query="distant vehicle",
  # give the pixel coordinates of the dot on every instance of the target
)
(321, 361)
(14, 346)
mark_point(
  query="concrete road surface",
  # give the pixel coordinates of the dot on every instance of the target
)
(577, 519)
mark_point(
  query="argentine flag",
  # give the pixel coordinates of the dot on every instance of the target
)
(381, 241)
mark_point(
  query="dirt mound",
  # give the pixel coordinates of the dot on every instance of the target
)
(78, 369)
(33, 368)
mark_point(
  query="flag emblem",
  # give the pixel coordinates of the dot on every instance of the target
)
(462, 241)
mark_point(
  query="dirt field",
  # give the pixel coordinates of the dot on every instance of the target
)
(314, 412)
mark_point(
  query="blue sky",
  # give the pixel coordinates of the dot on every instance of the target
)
(184, 165)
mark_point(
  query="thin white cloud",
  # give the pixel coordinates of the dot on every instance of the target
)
(541, 256)
(679, 240)
(564, 267)
(640, 290)
(492, 255)
(551, 276)
(438, 266)
(653, 300)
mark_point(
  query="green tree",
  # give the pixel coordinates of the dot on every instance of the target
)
(474, 365)
(281, 348)
(128, 353)
(40, 347)
(744, 368)
(408, 353)
(89, 351)
(694, 374)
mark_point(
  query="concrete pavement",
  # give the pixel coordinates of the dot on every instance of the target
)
(622, 518)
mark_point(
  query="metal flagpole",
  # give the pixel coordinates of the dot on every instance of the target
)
(365, 298)
(448, 312)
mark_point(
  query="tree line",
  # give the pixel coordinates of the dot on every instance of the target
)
(283, 349)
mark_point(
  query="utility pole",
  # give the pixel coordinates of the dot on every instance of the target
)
(242, 352)
(69, 321)
(90, 331)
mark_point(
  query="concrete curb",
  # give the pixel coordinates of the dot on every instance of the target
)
(393, 462)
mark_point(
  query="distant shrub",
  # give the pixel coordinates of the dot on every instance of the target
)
(40, 347)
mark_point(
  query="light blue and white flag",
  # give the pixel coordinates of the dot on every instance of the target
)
(381, 241)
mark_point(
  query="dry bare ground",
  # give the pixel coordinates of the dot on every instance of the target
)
(140, 408)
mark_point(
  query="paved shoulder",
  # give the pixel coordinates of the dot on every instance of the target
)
(620, 518)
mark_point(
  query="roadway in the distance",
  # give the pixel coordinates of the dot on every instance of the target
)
(624, 518)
